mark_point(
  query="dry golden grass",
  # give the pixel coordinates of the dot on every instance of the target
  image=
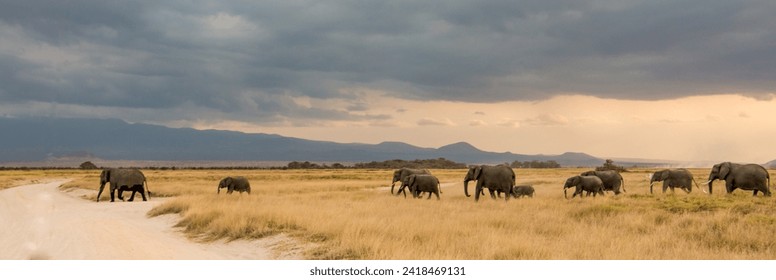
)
(350, 214)
(13, 178)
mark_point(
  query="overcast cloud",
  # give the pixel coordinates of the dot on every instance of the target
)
(254, 60)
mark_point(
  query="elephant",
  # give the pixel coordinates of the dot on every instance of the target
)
(673, 178)
(751, 177)
(419, 183)
(499, 178)
(523, 190)
(612, 180)
(400, 174)
(590, 184)
(237, 183)
(123, 179)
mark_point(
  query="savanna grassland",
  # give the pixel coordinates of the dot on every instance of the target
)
(350, 214)
(11, 178)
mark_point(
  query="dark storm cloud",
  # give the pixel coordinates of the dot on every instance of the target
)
(249, 59)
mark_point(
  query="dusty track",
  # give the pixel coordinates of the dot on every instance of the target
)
(41, 222)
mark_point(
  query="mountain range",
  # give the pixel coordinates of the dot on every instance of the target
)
(41, 139)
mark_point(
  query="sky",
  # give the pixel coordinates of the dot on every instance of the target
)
(685, 80)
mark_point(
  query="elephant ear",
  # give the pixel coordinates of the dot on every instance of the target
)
(412, 180)
(724, 170)
(397, 175)
(477, 172)
(225, 182)
(664, 175)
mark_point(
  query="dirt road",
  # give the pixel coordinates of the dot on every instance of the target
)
(41, 222)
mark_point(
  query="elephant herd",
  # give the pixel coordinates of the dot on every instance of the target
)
(132, 179)
(500, 179)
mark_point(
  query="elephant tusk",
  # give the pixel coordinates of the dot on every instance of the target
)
(709, 181)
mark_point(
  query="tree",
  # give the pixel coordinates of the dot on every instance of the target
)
(609, 165)
(88, 165)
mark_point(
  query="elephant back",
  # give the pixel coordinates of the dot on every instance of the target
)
(241, 183)
(127, 175)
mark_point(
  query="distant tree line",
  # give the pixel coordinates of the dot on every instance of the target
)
(439, 163)
(535, 164)
(310, 165)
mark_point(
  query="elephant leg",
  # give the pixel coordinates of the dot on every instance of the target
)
(492, 194)
(437, 194)
(401, 190)
(477, 191)
(729, 186)
(112, 193)
(429, 195)
(142, 193)
(132, 197)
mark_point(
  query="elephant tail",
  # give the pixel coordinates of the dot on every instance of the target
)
(147, 190)
(623, 184)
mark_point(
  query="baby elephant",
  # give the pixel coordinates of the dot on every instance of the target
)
(590, 184)
(237, 183)
(419, 183)
(523, 190)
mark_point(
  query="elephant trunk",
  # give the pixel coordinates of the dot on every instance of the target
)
(564, 193)
(102, 186)
(466, 188)
(711, 181)
(651, 183)
(392, 184)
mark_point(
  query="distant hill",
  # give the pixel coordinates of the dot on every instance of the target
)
(770, 164)
(39, 139)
